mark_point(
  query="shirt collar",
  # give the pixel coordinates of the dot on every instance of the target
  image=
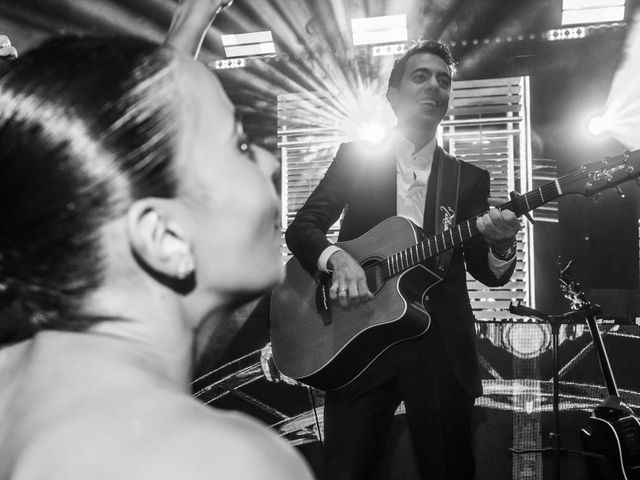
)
(405, 148)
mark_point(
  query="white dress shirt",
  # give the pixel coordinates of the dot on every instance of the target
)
(412, 177)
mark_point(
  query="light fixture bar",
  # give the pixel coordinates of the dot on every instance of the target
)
(245, 38)
(387, 29)
(378, 23)
(248, 44)
(250, 50)
(229, 63)
(581, 4)
(592, 15)
(392, 49)
(567, 33)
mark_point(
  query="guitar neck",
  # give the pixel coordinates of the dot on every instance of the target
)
(458, 234)
(603, 359)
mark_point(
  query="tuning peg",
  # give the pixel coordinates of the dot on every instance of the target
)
(620, 192)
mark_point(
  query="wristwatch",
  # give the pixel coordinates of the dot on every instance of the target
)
(506, 254)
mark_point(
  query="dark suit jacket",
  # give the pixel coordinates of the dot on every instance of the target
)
(364, 184)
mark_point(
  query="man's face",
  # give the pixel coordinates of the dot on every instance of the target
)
(422, 98)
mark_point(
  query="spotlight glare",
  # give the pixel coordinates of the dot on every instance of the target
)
(372, 132)
(527, 340)
(597, 125)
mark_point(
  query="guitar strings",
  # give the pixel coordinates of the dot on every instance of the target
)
(549, 189)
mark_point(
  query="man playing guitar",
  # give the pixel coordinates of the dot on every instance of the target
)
(436, 374)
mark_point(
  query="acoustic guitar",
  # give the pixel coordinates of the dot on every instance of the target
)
(614, 434)
(317, 342)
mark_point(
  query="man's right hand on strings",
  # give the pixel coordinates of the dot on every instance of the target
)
(349, 284)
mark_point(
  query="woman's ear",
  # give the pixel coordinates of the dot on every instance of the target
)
(157, 239)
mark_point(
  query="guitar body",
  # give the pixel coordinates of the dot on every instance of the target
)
(618, 441)
(318, 343)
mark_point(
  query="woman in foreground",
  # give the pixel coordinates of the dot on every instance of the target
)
(132, 209)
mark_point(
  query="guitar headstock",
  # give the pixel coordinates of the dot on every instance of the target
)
(7, 52)
(594, 177)
(571, 288)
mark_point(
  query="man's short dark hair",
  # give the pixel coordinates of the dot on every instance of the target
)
(428, 46)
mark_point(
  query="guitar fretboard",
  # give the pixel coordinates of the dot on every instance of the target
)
(587, 180)
(456, 235)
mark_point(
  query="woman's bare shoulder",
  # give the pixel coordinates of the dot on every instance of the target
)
(167, 437)
(216, 444)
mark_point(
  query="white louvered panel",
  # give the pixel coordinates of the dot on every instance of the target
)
(488, 125)
(308, 140)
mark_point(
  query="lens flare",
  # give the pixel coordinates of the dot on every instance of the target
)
(373, 132)
(597, 125)
(622, 109)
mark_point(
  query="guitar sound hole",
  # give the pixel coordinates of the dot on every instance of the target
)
(373, 274)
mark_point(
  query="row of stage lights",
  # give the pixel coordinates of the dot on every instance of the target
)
(396, 49)
(387, 35)
(550, 35)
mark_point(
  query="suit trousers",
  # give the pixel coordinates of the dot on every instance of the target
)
(357, 417)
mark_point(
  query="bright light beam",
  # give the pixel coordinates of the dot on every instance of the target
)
(373, 132)
(597, 125)
(369, 116)
(622, 108)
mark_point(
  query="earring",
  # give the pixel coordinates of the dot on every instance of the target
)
(185, 268)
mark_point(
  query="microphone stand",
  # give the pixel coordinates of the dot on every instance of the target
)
(555, 321)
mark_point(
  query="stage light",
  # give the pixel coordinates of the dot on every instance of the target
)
(526, 340)
(597, 125)
(229, 63)
(248, 44)
(387, 29)
(622, 108)
(367, 115)
(393, 49)
(576, 12)
(373, 132)
(570, 33)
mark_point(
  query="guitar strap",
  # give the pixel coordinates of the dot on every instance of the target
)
(441, 204)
